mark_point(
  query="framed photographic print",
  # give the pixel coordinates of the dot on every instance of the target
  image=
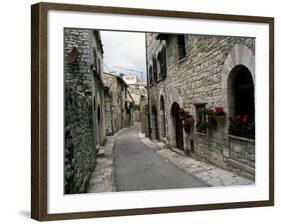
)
(139, 111)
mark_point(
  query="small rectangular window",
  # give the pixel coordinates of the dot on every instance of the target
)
(163, 67)
(201, 123)
(95, 60)
(154, 62)
(181, 46)
(150, 72)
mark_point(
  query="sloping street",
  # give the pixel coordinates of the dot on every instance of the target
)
(138, 167)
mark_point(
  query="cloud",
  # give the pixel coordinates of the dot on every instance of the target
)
(124, 49)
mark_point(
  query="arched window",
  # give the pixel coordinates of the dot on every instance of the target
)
(241, 102)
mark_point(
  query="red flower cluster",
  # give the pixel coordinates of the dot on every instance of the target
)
(219, 110)
(210, 112)
(243, 119)
(183, 111)
(187, 122)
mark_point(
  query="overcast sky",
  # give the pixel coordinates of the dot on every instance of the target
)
(124, 49)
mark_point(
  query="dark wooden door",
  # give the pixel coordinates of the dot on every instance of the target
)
(156, 125)
(178, 127)
(179, 132)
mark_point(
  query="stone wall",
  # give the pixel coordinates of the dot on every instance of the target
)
(80, 153)
(108, 113)
(200, 77)
(121, 117)
(240, 157)
(79, 117)
(144, 116)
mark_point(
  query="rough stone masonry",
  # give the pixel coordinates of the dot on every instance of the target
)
(79, 111)
(199, 73)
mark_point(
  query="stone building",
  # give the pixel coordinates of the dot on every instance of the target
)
(137, 89)
(144, 118)
(83, 111)
(197, 74)
(118, 103)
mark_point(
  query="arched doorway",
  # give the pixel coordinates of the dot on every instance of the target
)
(177, 123)
(162, 117)
(99, 125)
(154, 126)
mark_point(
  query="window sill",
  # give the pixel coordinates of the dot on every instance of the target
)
(242, 138)
(181, 60)
(200, 133)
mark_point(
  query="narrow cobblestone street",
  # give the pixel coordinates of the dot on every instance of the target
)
(138, 167)
(129, 161)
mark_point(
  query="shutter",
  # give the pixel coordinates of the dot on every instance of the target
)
(163, 62)
(155, 69)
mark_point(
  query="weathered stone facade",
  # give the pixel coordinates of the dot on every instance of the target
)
(137, 89)
(199, 73)
(83, 105)
(144, 118)
(117, 114)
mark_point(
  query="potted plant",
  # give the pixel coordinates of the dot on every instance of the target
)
(188, 124)
(182, 112)
(219, 115)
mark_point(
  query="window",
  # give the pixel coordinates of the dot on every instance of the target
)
(201, 124)
(154, 62)
(163, 66)
(241, 102)
(150, 72)
(95, 60)
(99, 67)
(181, 46)
(159, 59)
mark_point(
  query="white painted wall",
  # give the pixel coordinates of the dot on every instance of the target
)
(15, 112)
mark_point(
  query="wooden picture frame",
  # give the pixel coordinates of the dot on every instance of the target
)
(39, 109)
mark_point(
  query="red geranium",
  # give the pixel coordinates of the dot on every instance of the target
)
(219, 109)
(238, 117)
(245, 119)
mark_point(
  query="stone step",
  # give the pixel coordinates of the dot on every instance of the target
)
(100, 152)
(179, 151)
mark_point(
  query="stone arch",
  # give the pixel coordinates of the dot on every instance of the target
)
(177, 129)
(98, 119)
(174, 97)
(162, 117)
(240, 95)
(238, 55)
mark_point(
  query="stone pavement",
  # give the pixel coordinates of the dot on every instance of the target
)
(137, 167)
(102, 179)
(210, 174)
